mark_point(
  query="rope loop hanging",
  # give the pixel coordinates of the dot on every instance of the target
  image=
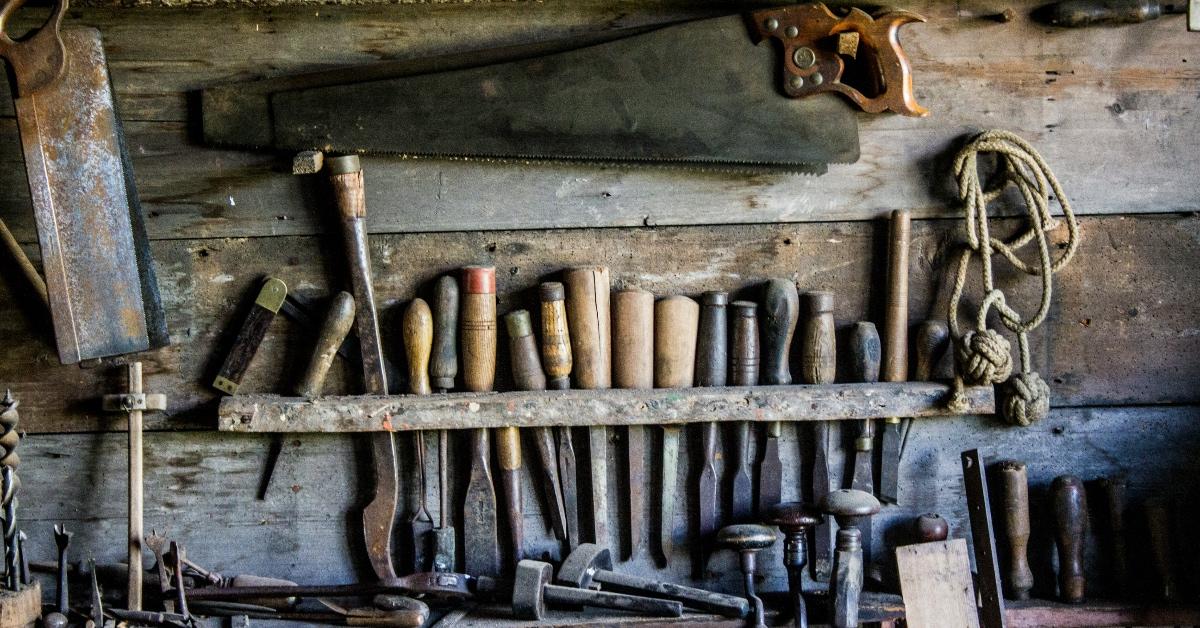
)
(984, 356)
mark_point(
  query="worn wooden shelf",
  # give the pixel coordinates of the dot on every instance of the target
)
(269, 413)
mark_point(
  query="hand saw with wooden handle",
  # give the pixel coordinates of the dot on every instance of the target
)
(95, 255)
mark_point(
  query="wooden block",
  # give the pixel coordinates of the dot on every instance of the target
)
(20, 609)
(935, 579)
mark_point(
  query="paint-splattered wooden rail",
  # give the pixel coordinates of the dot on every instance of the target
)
(269, 413)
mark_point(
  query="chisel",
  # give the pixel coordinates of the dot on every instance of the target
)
(864, 367)
(743, 371)
(527, 374)
(477, 343)
(633, 367)
(712, 357)
(930, 345)
(443, 368)
(588, 317)
(780, 312)
(818, 365)
(417, 333)
(676, 323)
(557, 360)
(345, 174)
(895, 347)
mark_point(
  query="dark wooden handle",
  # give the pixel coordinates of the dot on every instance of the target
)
(1113, 490)
(1070, 515)
(864, 353)
(744, 353)
(818, 357)
(522, 348)
(556, 337)
(250, 336)
(443, 367)
(1014, 503)
(933, 338)
(477, 337)
(1158, 524)
(712, 348)
(930, 528)
(418, 341)
(895, 316)
(633, 339)
(591, 331)
(780, 313)
(336, 327)
(676, 323)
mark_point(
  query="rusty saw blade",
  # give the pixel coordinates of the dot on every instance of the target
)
(95, 255)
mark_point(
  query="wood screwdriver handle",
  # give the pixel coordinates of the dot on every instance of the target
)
(895, 316)
(1070, 515)
(443, 367)
(336, 327)
(633, 339)
(588, 318)
(556, 337)
(1014, 502)
(712, 342)
(780, 313)
(418, 342)
(676, 324)
(477, 337)
(818, 359)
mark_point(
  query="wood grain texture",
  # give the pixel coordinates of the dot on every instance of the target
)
(935, 579)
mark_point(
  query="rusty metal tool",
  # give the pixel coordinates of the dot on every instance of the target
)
(417, 331)
(443, 368)
(27, 268)
(633, 367)
(895, 349)
(780, 313)
(1069, 502)
(712, 357)
(1014, 492)
(134, 402)
(9, 483)
(477, 342)
(440, 586)
(558, 362)
(532, 591)
(527, 374)
(590, 566)
(62, 538)
(851, 509)
(250, 336)
(864, 367)
(1158, 527)
(744, 371)
(748, 540)
(588, 317)
(379, 517)
(794, 519)
(337, 325)
(99, 273)
(676, 323)
(818, 365)
(983, 540)
(1081, 13)
(1112, 494)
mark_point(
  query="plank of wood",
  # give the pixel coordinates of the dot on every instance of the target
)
(1046, 614)
(935, 579)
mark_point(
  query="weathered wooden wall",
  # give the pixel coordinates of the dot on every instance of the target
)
(1113, 110)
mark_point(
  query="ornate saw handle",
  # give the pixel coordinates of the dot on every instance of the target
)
(858, 56)
(38, 59)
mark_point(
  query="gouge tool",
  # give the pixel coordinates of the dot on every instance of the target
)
(712, 357)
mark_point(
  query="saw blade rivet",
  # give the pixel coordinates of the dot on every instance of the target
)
(791, 31)
(804, 57)
(771, 24)
(796, 82)
(816, 78)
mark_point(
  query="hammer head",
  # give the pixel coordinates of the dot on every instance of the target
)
(581, 565)
(531, 578)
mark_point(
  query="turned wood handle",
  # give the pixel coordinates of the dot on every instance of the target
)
(930, 528)
(588, 319)
(1070, 516)
(933, 338)
(864, 353)
(522, 348)
(676, 323)
(633, 339)
(444, 365)
(1014, 503)
(556, 339)
(477, 337)
(1158, 524)
(780, 312)
(712, 348)
(818, 357)
(418, 342)
(1113, 489)
(895, 316)
(744, 354)
(337, 325)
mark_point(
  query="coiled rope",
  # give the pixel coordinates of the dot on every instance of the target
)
(984, 355)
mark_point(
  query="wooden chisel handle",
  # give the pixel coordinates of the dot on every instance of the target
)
(418, 341)
(1113, 493)
(633, 339)
(588, 319)
(864, 367)
(443, 367)
(1158, 524)
(745, 360)
(527, 371)
(818, 357)
(338, 323)
(676, 324)
(1071, 522)
(933, 338)
(895, 317)
(780, 313)
(712, 344)
(556, 337)
(1014, 502)
(477, 337)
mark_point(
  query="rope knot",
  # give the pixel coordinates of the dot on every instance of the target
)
(1025, 399)
(985, 357)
